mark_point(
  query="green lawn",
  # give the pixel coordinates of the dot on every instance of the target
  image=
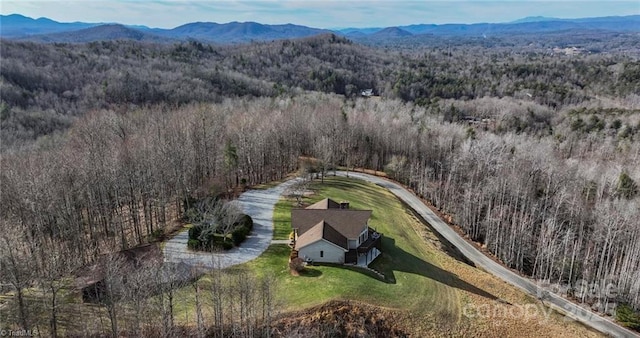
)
(415, 281)
(282, 219)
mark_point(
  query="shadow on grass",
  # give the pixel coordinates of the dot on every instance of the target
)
(396, 259)
(308, 272)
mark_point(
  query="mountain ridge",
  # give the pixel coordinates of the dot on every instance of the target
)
(98, 33)
(19, 27)
(537, 18)
(238, 31)
(391, 32)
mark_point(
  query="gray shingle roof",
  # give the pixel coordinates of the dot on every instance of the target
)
(322, 230)
(348, 222)
(325, 204)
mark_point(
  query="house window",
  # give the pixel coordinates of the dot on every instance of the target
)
(321, 253)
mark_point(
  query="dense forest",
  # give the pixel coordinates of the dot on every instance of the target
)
(46, 87)
(536, 156)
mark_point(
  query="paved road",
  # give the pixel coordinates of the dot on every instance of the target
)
(258, 204)
(556, 302)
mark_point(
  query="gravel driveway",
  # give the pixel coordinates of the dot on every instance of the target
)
(258, 204)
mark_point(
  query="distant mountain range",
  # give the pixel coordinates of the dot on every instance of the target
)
(389, 33)
(527, 25)
(237, 31)
(16, 25)
(99, 33)
(19, 27)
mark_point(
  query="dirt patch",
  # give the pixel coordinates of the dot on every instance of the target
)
(339, 319)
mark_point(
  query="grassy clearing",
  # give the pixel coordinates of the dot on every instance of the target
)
(417, 282)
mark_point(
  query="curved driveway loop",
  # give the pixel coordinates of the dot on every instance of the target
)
(258, 204)
(556, 302)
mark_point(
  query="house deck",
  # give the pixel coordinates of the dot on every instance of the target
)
(367, 251)
(374, 241)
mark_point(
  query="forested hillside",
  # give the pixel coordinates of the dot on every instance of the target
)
(46, 87)
(535, 156)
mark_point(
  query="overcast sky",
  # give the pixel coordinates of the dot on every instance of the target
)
(316, 13)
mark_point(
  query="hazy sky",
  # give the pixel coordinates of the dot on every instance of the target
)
(316, 13)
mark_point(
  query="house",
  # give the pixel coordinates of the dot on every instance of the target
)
(367, 93)
(331, 232)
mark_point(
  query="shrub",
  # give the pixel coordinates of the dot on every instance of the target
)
(628, 317)
(214, 243)
(244, 221)
(226, 245)
(239, 235)
(194, 244)
(195, 232)
(297, 264)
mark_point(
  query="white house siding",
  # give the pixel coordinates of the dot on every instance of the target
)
(332, 253)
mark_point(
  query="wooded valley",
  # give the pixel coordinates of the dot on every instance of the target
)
(535, 155)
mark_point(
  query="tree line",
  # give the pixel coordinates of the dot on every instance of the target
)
(555, 209)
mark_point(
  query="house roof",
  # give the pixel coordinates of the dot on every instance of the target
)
(348, 222)
(326, 203)
(322, 230)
